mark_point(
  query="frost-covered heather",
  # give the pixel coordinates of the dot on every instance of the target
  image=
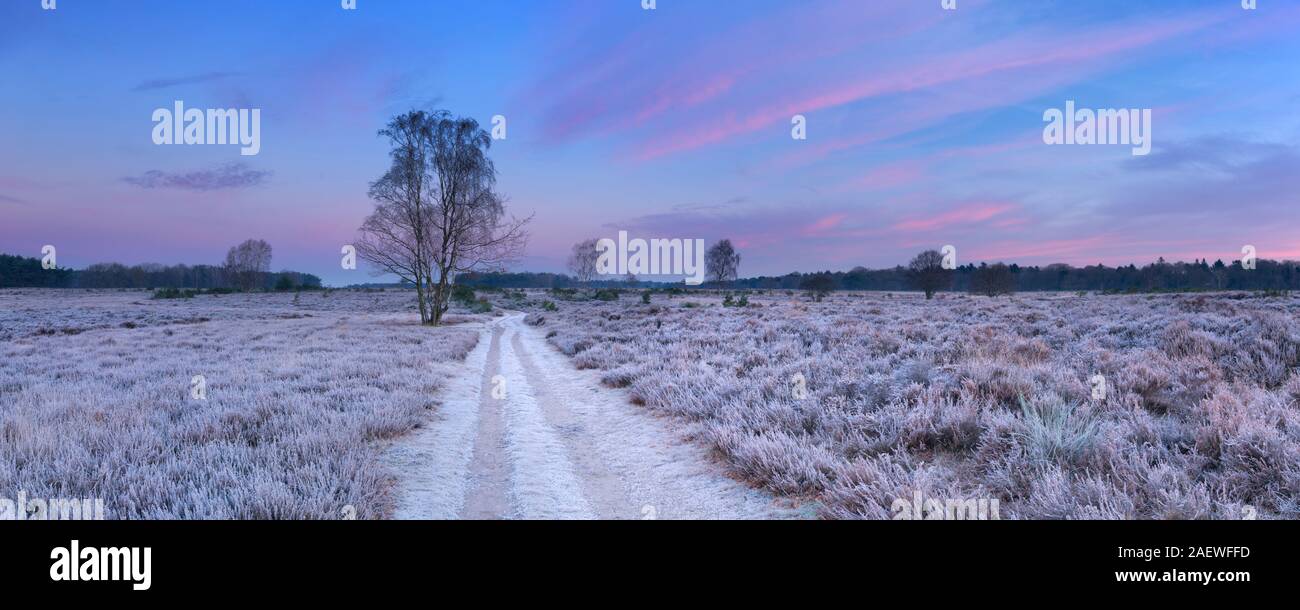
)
(24, 312)
(301, 399)
(903, 395)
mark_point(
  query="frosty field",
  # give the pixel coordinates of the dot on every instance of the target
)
(96, 400)
(969, 397)
(330, 405)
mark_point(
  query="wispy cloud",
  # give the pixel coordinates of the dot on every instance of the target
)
(967, 215)
(230, 176)
(163, 83)
(1221, 153)
(985, 65)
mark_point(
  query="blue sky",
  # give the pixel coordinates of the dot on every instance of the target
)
(924, 126)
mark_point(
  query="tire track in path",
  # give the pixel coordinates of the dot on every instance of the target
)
(489, 473)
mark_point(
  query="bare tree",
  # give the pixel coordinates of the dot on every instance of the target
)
(471, 230)
(436, 213)
(722, 262)
(395, 237)
(582, 262)
(926, 273)
(246, 263)
(993, 280)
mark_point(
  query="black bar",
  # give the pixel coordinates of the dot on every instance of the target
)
(320, 558)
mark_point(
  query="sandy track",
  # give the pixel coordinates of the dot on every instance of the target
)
(523, 434)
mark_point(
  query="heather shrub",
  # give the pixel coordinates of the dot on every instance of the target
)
(1054, 431)
(174, 293)
(463, 294)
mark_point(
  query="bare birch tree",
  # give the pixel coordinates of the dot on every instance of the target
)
(582, 262)
(722, 262)
(437, 214)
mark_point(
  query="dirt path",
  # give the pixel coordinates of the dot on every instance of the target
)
(523, 434)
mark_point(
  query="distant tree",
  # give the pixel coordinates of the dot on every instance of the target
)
(819, 284)
(993, 280)
(630, 279)
(926, 273)
(247, 262)
(582, 261)
(722, 262)
(1219, 273)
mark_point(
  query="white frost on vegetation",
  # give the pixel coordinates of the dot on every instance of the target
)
(971, 397)
(302, 398)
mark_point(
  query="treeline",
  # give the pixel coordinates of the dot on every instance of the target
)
(1160, 276)
(526, 279)
(21, 272)
(516, 280)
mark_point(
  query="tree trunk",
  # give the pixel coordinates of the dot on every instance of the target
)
(424, 308)
(440, 294)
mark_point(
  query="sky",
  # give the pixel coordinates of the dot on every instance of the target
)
(924, 126)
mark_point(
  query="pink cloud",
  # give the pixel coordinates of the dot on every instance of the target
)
(599, 101)
(964, 215)
(889, 175)
(1007, 55)
(824, 224)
